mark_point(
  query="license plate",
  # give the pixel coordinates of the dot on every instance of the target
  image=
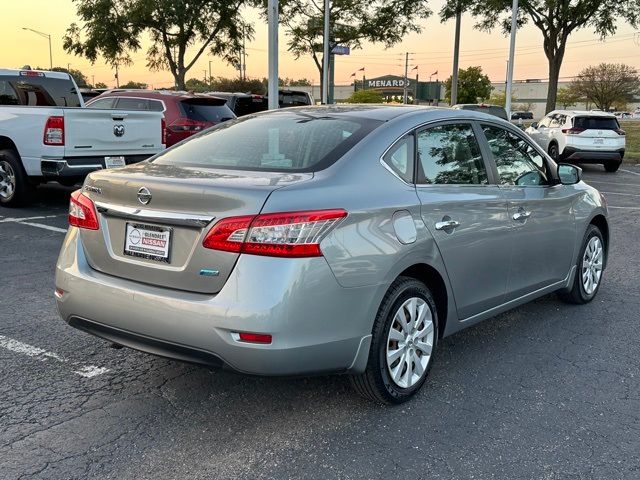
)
(113, 162)
(598, 141)
(147, 241)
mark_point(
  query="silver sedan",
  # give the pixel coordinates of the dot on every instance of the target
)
(328, 240)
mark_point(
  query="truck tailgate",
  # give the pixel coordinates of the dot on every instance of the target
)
(93, 132)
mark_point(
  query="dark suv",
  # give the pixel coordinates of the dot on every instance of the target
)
(185, 114)
(242, 103)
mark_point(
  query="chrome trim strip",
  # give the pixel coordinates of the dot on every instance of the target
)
(141, 214)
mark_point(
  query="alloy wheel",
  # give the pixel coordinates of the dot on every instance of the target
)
(7, 180)
(592, 265)
(410, 342)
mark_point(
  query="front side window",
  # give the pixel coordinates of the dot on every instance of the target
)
(449, 154)
(517, 161)
(400, 158)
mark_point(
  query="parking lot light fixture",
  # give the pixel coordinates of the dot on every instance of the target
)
(47, 36)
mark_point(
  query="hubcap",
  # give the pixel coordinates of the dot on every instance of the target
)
(410, 342)
(592, 265)
(7, 180)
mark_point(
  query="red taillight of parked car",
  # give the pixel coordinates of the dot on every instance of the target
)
(163, 131)
(572, 131)
(54, 131)
(187, 125)
(288, 234)
(82, 212)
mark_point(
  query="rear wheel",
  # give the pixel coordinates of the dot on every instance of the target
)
(15, 189)
(588, 270)
(405, 334)
(612, 166)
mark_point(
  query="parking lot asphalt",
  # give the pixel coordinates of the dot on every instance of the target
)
(545, 391)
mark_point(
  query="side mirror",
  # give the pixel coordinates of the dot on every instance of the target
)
(569, 174)
(534, 125)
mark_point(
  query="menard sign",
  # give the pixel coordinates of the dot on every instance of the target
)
(389, 82)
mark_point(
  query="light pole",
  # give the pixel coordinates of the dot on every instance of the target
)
(45, 35)
(512, 48)
(273, 54)
(325, 53)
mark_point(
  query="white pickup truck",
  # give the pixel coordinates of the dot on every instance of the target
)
(47, 134)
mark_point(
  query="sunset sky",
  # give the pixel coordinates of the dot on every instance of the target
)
(431, 50)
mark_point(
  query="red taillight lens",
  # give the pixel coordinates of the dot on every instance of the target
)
(255, 337)
(288, 234)
(54, 131)
(620, 132)
(572, 131)
(187, 125)
(82, 212)
(163, 131)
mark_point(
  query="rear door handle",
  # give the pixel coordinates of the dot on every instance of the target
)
(521, 214)
(447, 225)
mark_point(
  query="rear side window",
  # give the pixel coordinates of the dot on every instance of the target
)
(449, 154)
(281, 141)
(106, 103)
(203, 110)
(38, 91)
(400, 158)
(127, 103)
(596, 123)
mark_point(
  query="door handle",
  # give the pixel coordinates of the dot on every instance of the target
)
(447, 225)
(521, 214)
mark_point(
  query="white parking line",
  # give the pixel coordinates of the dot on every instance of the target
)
(23, 219)
(629, 171)
(87, 371)
(615, 183)
(46, 227)
(624, 208)
(618, 193)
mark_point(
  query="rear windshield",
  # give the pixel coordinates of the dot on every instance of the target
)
(596, 123)
(38, 91)
(277, 142)
(247, 105)
(206, 110)
(293, 99)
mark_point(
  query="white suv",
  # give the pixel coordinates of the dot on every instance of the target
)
(581, 137)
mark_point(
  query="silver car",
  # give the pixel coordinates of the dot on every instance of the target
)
(328, 240)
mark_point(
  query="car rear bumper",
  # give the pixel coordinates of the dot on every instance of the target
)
(317, 326)
(81, 166)
(592, 156)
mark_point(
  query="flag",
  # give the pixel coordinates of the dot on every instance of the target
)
(414, 68)
(434, 73)
(353, 74)
(361, 70)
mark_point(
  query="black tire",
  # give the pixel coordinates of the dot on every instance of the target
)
(376, 383)
(577, 294)
(13, 176)
(612, 166)
(553, 151)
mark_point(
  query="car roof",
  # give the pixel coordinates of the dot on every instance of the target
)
(577, 113)
(155, 94)
(47, 73)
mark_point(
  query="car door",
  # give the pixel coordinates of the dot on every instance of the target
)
(541, 134)
(540, 212)
(465, 212)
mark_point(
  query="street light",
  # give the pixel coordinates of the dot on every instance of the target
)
(45, 35)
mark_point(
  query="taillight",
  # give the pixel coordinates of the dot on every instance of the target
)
(572, 131)
(187, 125)
(54, 131)
(288, 234)
(163, 131)
(254, 337)
(82, 212)
(620, 132)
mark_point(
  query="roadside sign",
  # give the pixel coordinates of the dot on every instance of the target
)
(340, 50)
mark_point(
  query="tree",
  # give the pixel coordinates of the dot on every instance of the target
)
(365, 96)
(290, 82)
(556, 19)
(222, 84)
(114, 28)
(78, 76)
(524, 107)
(100, 85)
(353, 23)
(136, 85)
(606, 84)
(473, 85)
(567, 97)
(499, 97)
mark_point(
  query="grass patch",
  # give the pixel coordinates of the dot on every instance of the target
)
(632, 127)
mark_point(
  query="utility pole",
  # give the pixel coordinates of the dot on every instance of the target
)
(456, 55)
(205, 75)
(512, 48)
(244, 57)
(406, 78)
(210, 80)
(117, 77)
(93, 81)
(272, 15)
(325, 54)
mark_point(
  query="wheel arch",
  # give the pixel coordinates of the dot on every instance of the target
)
(600, 221)
(7, 144)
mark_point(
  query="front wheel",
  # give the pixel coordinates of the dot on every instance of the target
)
(405, 334)
(588, 270)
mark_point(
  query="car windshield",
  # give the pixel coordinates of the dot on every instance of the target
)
(596, 123)
(206, 110)
(282, 142)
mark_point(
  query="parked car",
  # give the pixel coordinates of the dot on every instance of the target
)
(45, 134)
(582, 137)
(88, 94)
(494, 110)
(242, 103)
(294, 98)
(623, 115)
(185, 113)
(346, 239)
(522, 116)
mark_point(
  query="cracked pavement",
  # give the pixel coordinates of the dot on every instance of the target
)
(545, 391)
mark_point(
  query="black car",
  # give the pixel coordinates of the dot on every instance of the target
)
(242, 103)
(522, 116)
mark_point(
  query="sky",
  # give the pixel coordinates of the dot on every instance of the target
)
(431, 50)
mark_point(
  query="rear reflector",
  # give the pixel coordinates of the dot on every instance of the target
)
(82, 212)
(54, 131)
(288, 234)
(255, 337)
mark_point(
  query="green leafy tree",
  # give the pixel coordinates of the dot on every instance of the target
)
(556, 20)
(197, 85)
(473, 86)
(606, 84)
(499, 97)
(352, 23)
(136, 85)
(78, 76)
(222, 84)
(290, 82)
(567, 97)
(181, 31)
(365, 96)
(100, 85)
(524, 107)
